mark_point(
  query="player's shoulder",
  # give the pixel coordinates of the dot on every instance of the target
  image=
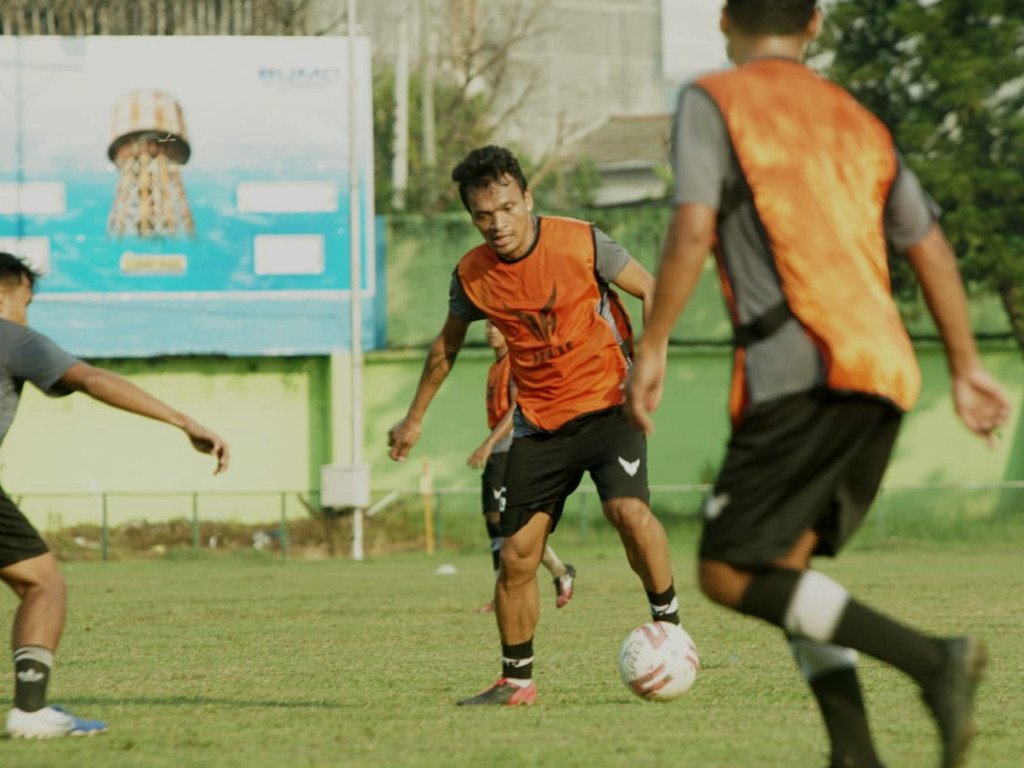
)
(563, 222)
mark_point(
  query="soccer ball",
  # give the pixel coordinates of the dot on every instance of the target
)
(658, 661)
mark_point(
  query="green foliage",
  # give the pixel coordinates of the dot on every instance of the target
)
(460, 126)
(948, 79)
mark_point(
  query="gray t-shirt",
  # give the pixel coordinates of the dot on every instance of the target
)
(705, 170)
(26, 355)
(611, 259)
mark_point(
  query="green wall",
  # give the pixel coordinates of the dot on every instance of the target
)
(274, 413)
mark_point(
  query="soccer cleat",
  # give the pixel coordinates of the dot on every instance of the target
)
(564, 586)
(50, 723)
(950, 696)
(502, 693)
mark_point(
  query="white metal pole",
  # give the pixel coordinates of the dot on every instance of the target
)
(356, 277)
(400, 162)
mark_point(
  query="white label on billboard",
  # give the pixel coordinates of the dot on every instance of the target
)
(288, 254)
(34, 197)
(287, 196)
(33, 250)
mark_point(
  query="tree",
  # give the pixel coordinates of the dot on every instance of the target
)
(947, 77)
(157, 17)
(475, 91)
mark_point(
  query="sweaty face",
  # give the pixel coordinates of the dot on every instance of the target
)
(501, 212)
(14, 301)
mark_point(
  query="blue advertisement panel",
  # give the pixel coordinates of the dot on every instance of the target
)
(189, 195)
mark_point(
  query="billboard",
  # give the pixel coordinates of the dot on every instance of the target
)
(189, 195)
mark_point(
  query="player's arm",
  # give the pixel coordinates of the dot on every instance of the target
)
(702, 161)
(911, 227)
(635, 280)
(687, 243)
(980, 402)
(440, 359)
(117, 391)
(478, 458)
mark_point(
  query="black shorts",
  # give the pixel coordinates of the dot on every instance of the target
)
(544, 469)
(493, 482)
(807, 461)
(18, 539)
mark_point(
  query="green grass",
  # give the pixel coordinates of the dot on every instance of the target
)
(249, 661)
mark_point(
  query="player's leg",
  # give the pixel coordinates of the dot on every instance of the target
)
(615, 453)
(517, 608)
(850, 451)
(646, 545)
(831, 673)
(492, 497)
(563, 574)
(32, 573)
(536, 480)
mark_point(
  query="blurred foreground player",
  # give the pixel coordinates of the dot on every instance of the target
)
(26, 564)
(797, 187)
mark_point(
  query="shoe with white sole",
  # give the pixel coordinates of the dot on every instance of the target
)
(50, 723)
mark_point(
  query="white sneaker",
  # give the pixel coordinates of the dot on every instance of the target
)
(49, 723)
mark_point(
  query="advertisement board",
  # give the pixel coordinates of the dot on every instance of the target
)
(189, 195)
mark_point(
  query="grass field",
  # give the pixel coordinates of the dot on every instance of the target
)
(248, 661)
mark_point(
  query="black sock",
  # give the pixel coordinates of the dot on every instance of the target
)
(494, 531)
(876, 635)
(31, 674)
(517, 660)
(842, 708)
(768, 595)
(771, 593)
(664, 606)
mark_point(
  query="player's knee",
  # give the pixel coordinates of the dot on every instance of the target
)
(721, 583)
(38, 575)
(628, 515)
(516, 566)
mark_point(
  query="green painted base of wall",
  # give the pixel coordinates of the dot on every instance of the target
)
(277, 415)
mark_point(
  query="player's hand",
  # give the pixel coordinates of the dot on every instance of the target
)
(644, 387)
(478, 458)
(402, 437)
(981, 403)
(205, 441)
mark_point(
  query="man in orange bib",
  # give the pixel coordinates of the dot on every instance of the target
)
(798, 189)
(544, 282)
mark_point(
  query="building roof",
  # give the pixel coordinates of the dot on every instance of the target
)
(625, 141)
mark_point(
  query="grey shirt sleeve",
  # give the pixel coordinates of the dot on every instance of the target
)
(909, 211)
(610, 257)
(701, 150)
(459, 303)
(35, 358)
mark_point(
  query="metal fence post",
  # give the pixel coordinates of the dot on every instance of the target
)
(284, 527)
(195, 521)
(104, 537)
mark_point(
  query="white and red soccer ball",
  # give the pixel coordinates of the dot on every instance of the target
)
(658, 661)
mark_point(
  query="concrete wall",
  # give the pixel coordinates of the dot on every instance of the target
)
(276, 414)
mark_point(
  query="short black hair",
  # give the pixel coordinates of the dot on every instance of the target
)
(12, 269)
(485, 166)
(771, 17)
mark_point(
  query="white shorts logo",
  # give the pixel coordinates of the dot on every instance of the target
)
(630, 466)
(713, 505)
